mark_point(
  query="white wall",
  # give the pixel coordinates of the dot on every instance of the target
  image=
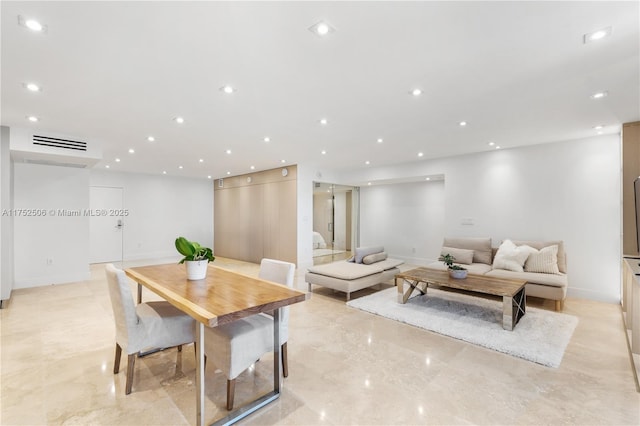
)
(161, 208)
(6, 219)
(566, 190)
(407, 219)
(50, 248)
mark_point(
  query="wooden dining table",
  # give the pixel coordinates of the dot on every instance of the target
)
(222, 297)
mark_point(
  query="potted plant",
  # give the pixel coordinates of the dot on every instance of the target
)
(196, 258)
(455, 271)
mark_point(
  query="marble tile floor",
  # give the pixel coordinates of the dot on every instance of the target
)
(347, 367)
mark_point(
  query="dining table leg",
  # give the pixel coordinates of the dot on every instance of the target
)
(199, 346)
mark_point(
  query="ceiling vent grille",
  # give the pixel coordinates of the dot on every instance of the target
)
(59, 143)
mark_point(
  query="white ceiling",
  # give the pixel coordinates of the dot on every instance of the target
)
(517, 72)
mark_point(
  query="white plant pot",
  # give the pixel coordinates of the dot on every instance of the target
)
(196, 269)
(458, 273)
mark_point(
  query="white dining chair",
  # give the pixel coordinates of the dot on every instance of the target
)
(148, 325)
(235, 346)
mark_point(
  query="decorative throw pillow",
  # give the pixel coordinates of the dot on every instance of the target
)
(511, 257)
(544, 261)
(462, 256)
(373, 258)
(361, 252)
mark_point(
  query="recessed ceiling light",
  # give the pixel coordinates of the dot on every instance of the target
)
(151, 139)
(180, 167)
(380, 140)
(598, 127)
(132, 151)
(497, 146)
(201, 160)
(164, 172)
(179, 120)
(252, 167)
(32, 87)
(107, 166)
(420, 154)
(283, 161)
(599, 95)
(462, 123)
(267, 139)
(323, 152)
(428, 178)
(368, 183)
(117, 160)
(323, 121)
(600, 132)
(33, 119)
(416, 92)
(228, 151)
(209, 177)
(228, 173)
(367, 162)
(597, 35)
(32, 24)
(491, 143)
(227, 89)
(321, 29)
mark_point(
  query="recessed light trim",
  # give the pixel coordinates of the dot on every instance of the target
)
(151, 139)
(267, 139)
(164, 172)
(380, 140)
(228, 89)
(321, 29)
(209, 177)
(132, 151)
(323, 152)
(283, 161)
(228, 173)
(32, 24)
(369, 183)
(252, 167)
(180, 167)
(117, 160)
(600, 95)
(420, 154)
(416, 92)
(228, 152)
(462, 124)
(201, 160)
(367, 162)
(179, 120)
(33, 118)
(324, 121)
(428, 178)
(491, 143)
(597, 35)
(497, 146)
(107, 166)
(32, 87)
(598, 127)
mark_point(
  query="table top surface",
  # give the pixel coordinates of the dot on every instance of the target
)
(222, 297)
(477, 283)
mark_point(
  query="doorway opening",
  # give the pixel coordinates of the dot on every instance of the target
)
(335, 221)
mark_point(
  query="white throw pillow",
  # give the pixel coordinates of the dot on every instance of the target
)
(373, 258)
(544, 261)
(511, 257)
(361, 252)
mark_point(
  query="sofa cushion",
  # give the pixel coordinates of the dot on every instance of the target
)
(481, 247)
(562, 257)
(543, 261)
(462, 256)
(511, 257)
(346, 270)
(474, 268)
(373, 258)
(361, 252)
(553, 280)
(387, 264)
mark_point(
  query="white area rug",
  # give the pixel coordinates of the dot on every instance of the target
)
(541, 336)
(325, 252)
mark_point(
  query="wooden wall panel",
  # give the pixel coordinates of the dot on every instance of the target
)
(630, 171)
(257, 217)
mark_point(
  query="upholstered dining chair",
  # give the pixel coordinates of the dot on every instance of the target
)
(148, 325)
(235, 346)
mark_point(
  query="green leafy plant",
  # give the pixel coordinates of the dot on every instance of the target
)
(193, 251)
(448, 260)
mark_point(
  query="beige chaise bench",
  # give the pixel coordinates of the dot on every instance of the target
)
(543, 285)
(349, 277)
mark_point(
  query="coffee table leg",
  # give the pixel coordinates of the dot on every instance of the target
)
(507, 313)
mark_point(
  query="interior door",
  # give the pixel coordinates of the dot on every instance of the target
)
(106, 224)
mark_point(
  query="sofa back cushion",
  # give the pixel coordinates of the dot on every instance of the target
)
(462, 256)
(538, 245)
(481, 247)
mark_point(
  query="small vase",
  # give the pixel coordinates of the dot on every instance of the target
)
(196, 269)
(458, 273)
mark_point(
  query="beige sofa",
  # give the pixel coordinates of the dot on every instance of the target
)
(352, 275)
(544, 285)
